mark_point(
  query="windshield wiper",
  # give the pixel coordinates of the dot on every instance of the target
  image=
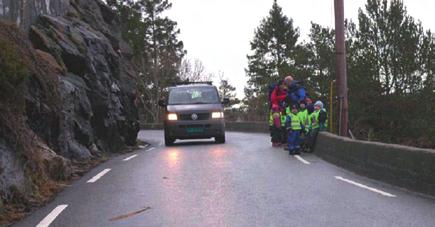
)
(199, 103)
(192, 103)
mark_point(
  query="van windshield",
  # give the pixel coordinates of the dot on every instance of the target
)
(193, 95)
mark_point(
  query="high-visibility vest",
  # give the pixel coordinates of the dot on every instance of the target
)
(324, 125)
(311, 120)
(283, 119)
(315, 120)
(303, 116)
(296, 122)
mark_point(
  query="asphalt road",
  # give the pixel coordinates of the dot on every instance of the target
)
(244, 182)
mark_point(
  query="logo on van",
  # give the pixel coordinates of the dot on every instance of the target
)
(194, 117)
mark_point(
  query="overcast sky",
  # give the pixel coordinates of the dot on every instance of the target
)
(218, 32)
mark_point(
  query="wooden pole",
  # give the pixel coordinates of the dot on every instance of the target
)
(341, 67)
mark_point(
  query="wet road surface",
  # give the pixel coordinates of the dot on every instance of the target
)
(244, 182)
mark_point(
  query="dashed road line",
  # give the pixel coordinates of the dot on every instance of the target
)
(129, 158)
(98, 176)
(365, 187)
(302, 160)
(52, 216)
(152, 148)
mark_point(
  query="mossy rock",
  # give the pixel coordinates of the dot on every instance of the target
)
(13, 74)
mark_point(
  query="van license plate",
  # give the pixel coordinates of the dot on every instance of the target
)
(195, 130)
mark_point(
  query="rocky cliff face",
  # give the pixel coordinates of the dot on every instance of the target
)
(25, 12)
(79, 97)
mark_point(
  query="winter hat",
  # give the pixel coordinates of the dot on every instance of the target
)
(310, 108)
(319, 103)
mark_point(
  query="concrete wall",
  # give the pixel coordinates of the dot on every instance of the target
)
(407, 167)
(25, 12)
(247, 126)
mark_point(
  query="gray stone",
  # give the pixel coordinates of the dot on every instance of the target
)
(25, 12)
(77, 151)
(98, 93)
(81, 91)
(12, 173)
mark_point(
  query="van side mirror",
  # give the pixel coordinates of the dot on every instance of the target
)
(226, 101)
(162, 103)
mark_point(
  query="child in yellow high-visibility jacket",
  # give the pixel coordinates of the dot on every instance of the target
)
(294, 127)
(275, 128)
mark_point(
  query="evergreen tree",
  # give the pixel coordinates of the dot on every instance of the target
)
(162, 53)
(389, 68)
(393, 40)
(132, 25)
(321, 60)
(158, 51)
(273, 57)
(226, 90)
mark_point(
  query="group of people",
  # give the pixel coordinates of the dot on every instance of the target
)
(294, 119)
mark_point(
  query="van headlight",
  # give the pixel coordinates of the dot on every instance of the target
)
(217, 115)
(172, 117)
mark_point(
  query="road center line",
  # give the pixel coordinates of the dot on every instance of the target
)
(302, 160)
(52, 216)
(152, 148)
(129, 158)
(365, 187)
(98, 176)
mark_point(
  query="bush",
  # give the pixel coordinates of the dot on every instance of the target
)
(13, 74)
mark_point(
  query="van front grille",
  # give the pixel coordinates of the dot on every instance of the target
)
(201, 116)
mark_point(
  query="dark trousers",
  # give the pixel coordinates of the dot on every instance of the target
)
(312, 139)
(293, 140)
(284, 135)
(276, 134)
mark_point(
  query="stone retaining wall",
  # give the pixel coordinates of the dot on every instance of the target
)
(407, 167)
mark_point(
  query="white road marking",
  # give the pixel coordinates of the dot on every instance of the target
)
(302, 160)
(98, 176)
(142, 147)
(152, 148)
(129, 158)
(365, 187)
(52, 216)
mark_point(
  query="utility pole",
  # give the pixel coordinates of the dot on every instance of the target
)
(340, 48)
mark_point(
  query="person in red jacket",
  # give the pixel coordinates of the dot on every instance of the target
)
(277, 98)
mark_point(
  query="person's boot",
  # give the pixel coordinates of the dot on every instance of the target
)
(297, 151)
